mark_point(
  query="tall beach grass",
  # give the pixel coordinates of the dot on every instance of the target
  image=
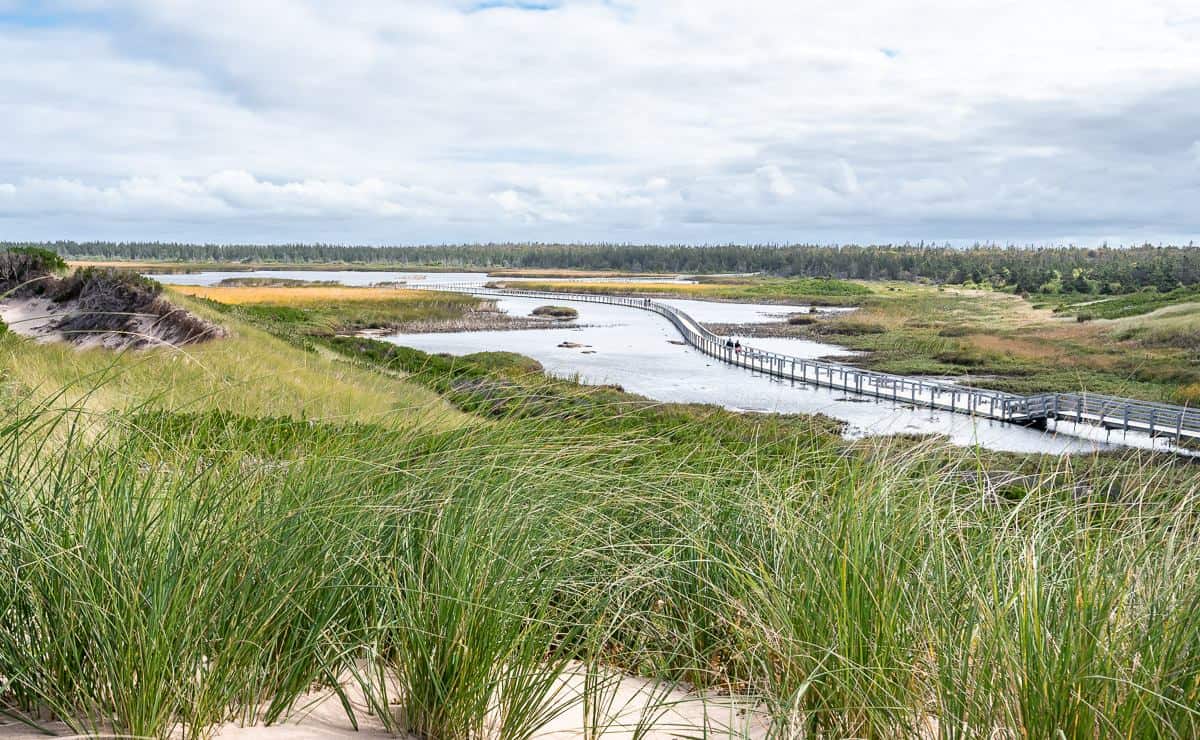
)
(167, 571)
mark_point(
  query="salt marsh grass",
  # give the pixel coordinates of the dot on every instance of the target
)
(311, 295)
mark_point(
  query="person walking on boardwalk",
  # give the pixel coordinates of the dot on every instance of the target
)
(729, 342)
(737, 346)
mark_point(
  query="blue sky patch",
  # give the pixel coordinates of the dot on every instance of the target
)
(532, 5)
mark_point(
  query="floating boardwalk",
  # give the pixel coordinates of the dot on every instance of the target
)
(1155, 419)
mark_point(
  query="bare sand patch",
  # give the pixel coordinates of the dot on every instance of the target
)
(628, 707)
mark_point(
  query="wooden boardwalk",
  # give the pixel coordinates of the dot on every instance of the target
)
(1157, 420)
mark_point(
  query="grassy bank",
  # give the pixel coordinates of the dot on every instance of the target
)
(315, 309)
(1087, 306)
(250, 372)
(999, 340)
(803, 291)
(174, 566)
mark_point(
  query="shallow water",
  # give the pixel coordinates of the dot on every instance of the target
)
(642, 352)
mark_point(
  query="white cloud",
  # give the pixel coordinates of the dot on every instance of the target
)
(846, 179)
(663, 121)
(774, 182)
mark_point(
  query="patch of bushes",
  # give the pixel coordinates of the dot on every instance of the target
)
(48, 260)
(556, 312)
(107, 300)
(953, 331)
(505, 362)
(26, 271)
(1133, 304)
(801, 319)
(855, 328)
(103, 301)
(963, 356)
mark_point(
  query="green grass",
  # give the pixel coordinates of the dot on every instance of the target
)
(172, 573)
(1121, 306)
(169, 567)
(1005, 343)
(800, 291)
(768, 287)
(251, 373)
(556, 312)
(295, 311)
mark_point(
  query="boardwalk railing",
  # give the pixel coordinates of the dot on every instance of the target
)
(1106, 411)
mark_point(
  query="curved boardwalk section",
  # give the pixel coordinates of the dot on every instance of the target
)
(1155, 419)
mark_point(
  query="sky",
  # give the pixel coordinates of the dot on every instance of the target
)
(672, 121)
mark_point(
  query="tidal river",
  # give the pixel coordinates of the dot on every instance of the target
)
(643, 353)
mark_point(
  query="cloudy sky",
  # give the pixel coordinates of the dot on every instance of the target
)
(417, 121)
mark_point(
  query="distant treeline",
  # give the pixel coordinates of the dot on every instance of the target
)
(1057, 269)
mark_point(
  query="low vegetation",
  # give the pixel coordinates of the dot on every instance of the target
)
(175, 569)
(1119, 306)
(28, 271)
(1002, 341)
(194, 537)
(112, 307)
(324, 310)
(273, 282)
(556, 312)
(798, 290)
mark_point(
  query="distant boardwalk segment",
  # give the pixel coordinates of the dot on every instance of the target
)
(1157, 420)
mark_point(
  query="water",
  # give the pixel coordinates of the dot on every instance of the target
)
(641, 352)
(361, 278)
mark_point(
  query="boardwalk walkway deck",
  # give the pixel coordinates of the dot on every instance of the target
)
(1157, 420)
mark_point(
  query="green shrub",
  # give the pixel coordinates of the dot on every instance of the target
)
(556, 312)
(954, 331)
(855, 328)
(48, 260)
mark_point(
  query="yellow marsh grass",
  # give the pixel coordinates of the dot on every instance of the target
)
(612, 286)
(302, 295)
(249, 373)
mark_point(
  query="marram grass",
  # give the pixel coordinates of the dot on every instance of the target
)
(168, 572)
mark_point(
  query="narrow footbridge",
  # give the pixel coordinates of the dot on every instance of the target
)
(1155, 419)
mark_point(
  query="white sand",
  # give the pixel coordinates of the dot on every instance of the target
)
(670, 712)
(31, 317)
